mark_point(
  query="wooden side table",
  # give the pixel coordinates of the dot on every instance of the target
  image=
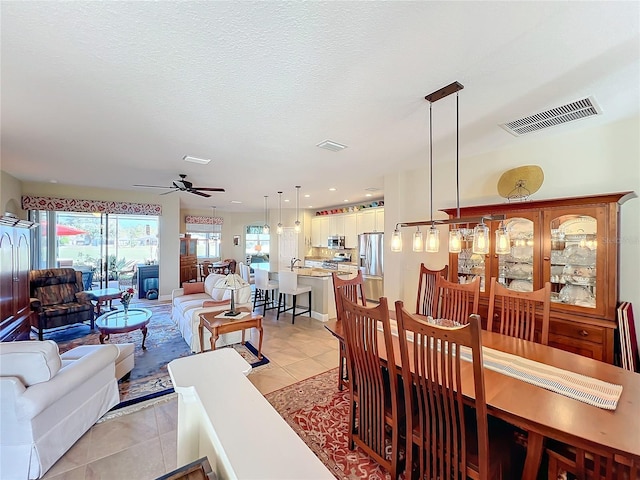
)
(218, 326)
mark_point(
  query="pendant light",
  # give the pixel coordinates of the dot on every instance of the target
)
(279, 227)
(396, 240)
(433, 235)
(481, 239)
(265, 228)
(455, 236)
(418, 244)
(297, 224)
(432, 240)
(503, 241)
(455, 240)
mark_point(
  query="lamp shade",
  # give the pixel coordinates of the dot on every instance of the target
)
(396, 241)
(481, 239)
(503, 242)
(455, 241)
(433, 240)
(418, 244)
(232, 281)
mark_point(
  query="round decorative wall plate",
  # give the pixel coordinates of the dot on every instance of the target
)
(520, 182)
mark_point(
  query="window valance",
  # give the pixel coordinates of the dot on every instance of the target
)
(89, 206)
(203, 224)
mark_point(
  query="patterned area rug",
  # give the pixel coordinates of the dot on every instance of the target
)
(319, 413)
(149, 377)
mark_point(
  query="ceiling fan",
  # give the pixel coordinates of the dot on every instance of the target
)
(184, 185)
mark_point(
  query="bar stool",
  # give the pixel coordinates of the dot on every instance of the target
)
(289, 286)
(265, 291)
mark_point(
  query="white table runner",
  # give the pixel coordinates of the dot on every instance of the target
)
(580, 387)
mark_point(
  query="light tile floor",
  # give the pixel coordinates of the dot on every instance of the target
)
(142, 445)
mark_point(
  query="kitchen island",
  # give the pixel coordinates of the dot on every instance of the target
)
(323, 304)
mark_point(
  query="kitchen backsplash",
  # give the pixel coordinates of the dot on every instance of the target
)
(328, 253)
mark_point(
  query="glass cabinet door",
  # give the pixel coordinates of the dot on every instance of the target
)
(575, 258)
(516, 269)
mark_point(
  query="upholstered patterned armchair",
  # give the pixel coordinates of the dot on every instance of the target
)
(56, 298)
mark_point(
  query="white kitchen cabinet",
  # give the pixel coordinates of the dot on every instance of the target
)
(366, 221)
(379, 220)
(350, 231)
(319, 231)
(335, 225)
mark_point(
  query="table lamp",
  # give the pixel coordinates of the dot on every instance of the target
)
(233, 282)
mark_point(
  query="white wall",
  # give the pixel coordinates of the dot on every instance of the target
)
(10, 193)
(589, 161)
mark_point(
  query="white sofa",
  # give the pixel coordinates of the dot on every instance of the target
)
(188, 303)
(47, 403)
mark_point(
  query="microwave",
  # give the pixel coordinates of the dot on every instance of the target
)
(335, 242)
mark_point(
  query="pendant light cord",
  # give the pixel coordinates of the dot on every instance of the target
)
(431, 160)
(457, 157)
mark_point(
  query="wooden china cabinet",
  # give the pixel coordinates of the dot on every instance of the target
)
(188, 260)
(571, 243)
(15, 263)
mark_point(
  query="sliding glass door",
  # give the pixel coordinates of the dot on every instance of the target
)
(108, 245)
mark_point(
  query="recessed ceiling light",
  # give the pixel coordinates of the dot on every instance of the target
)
(307, 196)
(201, 161)
(235, 201)
(368, 195)
(53, 180)
(286, 200)
(310, 206)
(372, 189)
(333, 146)
(332, 189)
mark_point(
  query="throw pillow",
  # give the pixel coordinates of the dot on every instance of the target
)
(215, 303)
(193, 287)
(31, 361)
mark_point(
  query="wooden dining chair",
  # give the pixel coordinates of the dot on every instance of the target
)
(517, 312)
(444, 439)
(589, 465)
(456, 301)
(353, 289)
(373, 384)
(205, 269)
(427, 288)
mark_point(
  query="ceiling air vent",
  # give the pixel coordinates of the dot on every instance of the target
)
(333, 146)
(584, 108)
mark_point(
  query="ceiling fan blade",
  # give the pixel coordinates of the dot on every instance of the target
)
(209, 189)
(202, 194)
(152, 186)
(170, 191)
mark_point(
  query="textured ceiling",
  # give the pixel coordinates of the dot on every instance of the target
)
(112, 94)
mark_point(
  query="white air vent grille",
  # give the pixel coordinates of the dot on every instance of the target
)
(333, 146)
(586, 107)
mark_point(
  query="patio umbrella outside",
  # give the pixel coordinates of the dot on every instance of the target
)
(64, 230)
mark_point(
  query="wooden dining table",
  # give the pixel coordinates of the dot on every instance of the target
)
(546, 414)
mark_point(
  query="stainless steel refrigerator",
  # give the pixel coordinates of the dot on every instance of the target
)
(370, 253)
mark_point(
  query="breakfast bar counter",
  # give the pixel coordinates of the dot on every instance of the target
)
(323, 303)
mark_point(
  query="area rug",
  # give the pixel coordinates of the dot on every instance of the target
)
(319, 414)
(149, 377)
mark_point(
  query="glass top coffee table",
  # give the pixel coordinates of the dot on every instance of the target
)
(117, 322)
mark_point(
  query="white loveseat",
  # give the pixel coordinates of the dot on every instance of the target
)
(47, 402)
(189, 302)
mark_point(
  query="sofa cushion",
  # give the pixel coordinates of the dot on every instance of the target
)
(215, 303)
(187, 302)
(66, 309)
(31, 361)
